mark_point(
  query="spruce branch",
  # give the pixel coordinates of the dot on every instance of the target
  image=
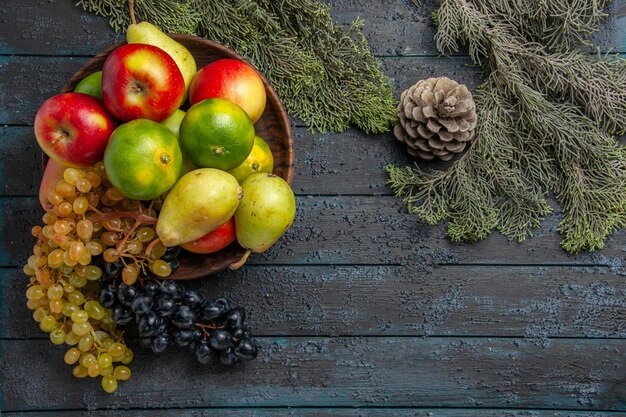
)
(545, 118)
(323, 72)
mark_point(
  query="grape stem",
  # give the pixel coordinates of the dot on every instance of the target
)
(143, 218)
(132, 230)
(152, 245)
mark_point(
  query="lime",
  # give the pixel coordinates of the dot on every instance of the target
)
(143, 159)
(216, 133)
(260, 159)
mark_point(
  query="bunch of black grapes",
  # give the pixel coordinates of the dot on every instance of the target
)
(167, 314)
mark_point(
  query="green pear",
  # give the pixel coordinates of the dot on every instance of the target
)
(265, 212)
(173, 123)
(199, 203)
(145, 32)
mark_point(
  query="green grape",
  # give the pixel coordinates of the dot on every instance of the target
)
(34, 292)
(81, 329)
(121, 373)
(39, 314)
(28, 270)
(80, 270)
(105, 360)
(145, 234)
(56, 306)
(71, 338)
(77, 281)
(109, 384)
(57, 336)
(85, 258)
(85, 343)
(107, 319)
(94, 310)
(76, 298)
(33, 304)
(108, 371)
(65, 269)
(48, 323)
(93, 273)
(55, 292)
(71, 356)
(117, 350)
(87, 359)
(68, 260)
(161, 268)
(102, 336)
(128, 356)
(80, 316)
(68, 309)
(94, 247)
(93, 370)
(79, 371)
(107, 343)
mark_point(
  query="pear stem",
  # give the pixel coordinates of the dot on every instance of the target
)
(242, 261)
(131, 9)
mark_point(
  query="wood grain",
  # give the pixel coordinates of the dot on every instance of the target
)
(318, 412)
(334, 372)
(344, 302)
(358, 230)
(529, 302)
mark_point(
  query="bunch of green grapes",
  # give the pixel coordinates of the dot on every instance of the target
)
(89, 220)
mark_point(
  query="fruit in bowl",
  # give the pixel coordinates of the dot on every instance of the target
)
(141, 81)
(272, 127)
(233, 80)
(73, 129)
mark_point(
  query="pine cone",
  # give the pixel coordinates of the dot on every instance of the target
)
(437, 118)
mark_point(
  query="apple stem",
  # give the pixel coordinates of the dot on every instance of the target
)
(131, 9)
(242, 261)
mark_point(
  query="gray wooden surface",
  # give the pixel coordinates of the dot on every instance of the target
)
(361, 309)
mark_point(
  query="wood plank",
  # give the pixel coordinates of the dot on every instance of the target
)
(392, 27)
(378, 301)
(21, 168)
(355, 230)
(318, 412)
(339, 372)
(32, 27)
(26, 82)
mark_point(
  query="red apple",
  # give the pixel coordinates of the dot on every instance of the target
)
(231, 80)
(213, 241)
(51, 175)
(73, 129)
(141, 82)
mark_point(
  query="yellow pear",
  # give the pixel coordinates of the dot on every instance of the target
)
(147, 33)
(199, 203)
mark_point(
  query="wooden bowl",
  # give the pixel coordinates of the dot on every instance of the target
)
(273, 127)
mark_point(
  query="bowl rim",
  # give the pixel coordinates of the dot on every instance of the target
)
(237, 252)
